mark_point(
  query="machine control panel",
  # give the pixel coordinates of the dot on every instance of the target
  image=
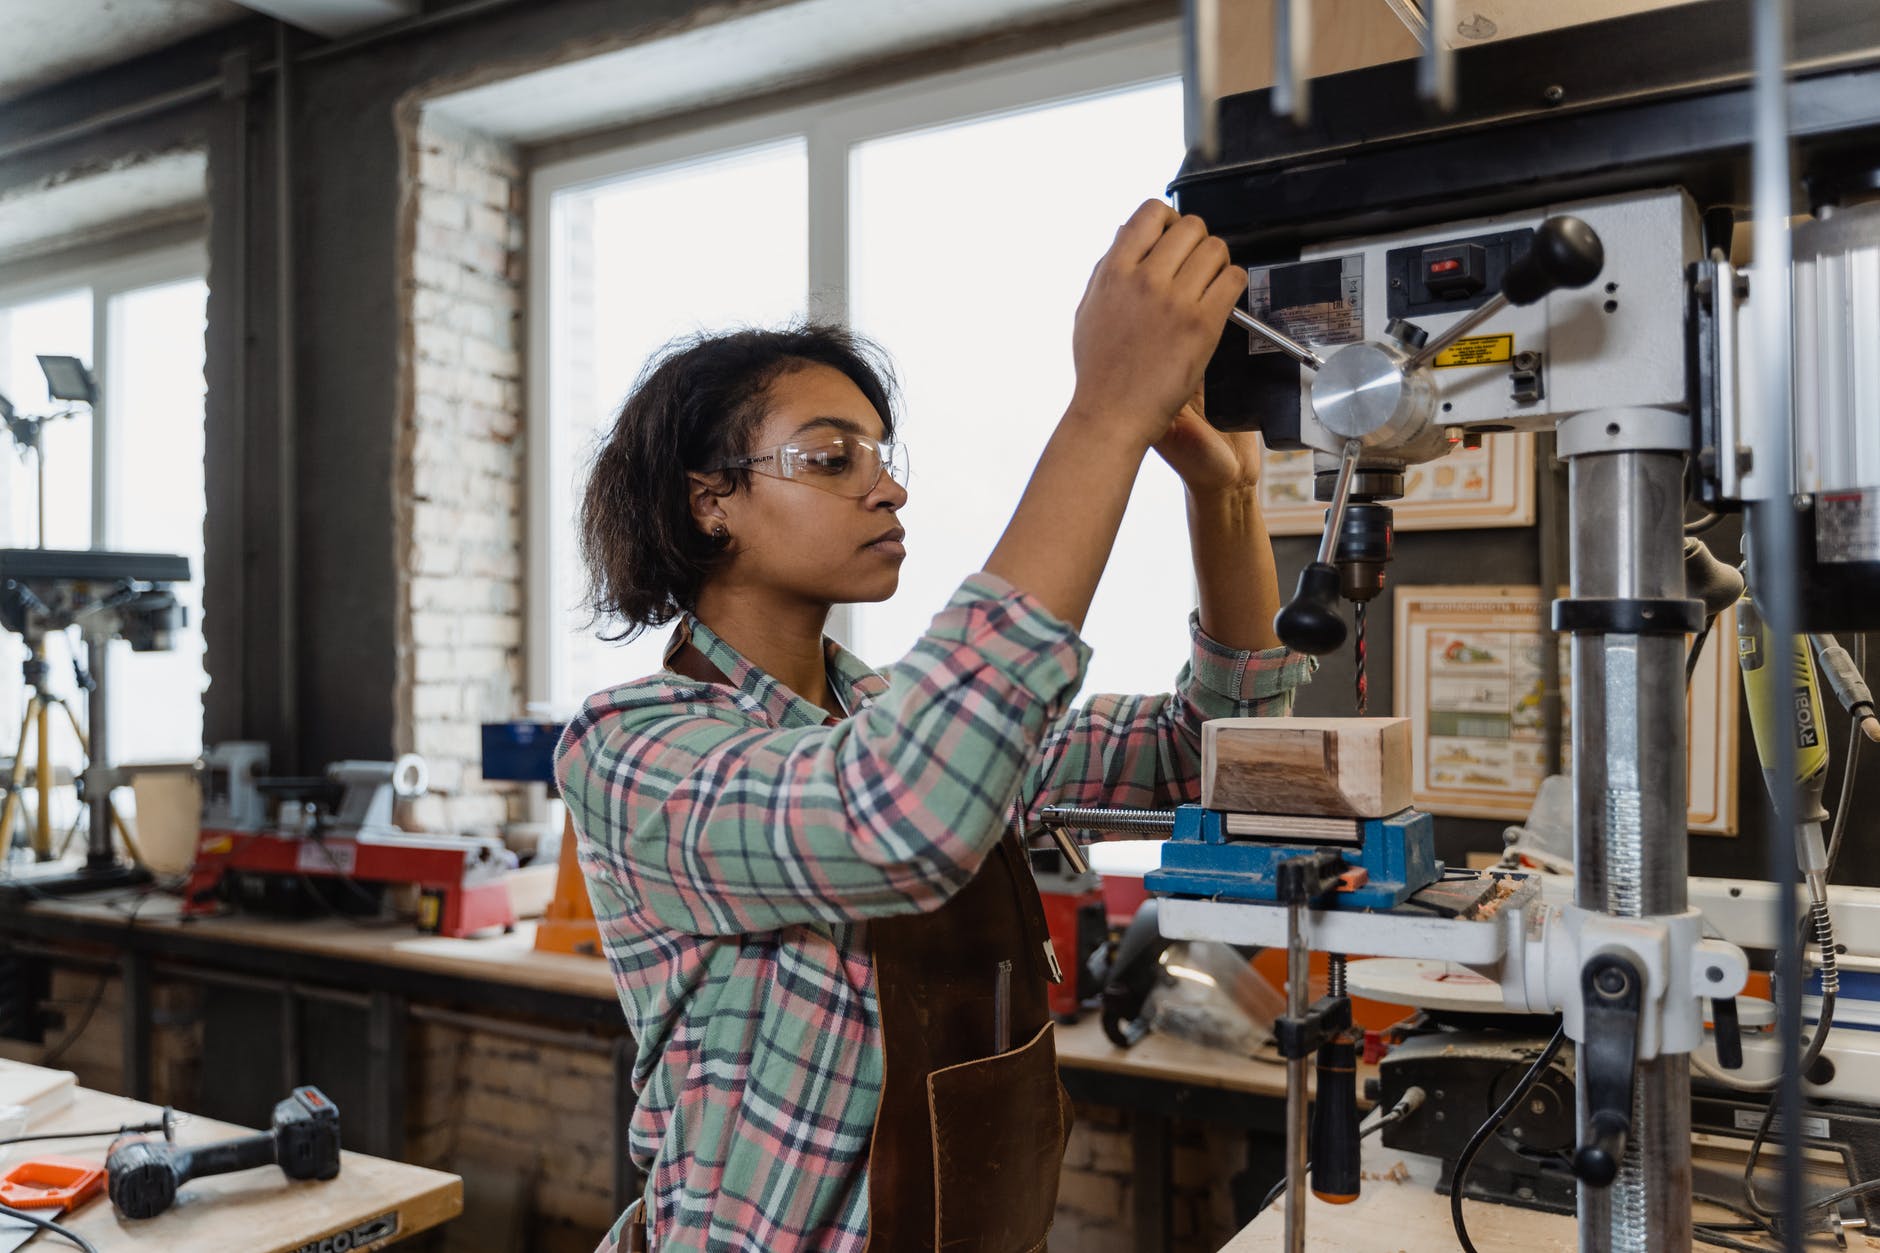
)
(1450, 276)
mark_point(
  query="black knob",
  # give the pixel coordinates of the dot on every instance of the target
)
(1310, 621)
(1597, 1164)
(1729, 1034)
(1565, 253)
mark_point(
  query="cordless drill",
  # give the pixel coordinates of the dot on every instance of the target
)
(145, 1172)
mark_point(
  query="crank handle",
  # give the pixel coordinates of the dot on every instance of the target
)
(1299, 352)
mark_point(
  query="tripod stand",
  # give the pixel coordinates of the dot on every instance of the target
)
(36, 724)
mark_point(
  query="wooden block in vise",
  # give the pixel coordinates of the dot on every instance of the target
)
(1328, 767)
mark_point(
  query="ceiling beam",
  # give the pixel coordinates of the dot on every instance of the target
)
(334, 18)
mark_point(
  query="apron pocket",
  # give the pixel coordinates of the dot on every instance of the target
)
(998, 1144)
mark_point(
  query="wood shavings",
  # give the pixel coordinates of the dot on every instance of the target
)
(1504, 888)
(1398, 1173)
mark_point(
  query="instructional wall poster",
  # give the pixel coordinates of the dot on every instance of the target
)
(1468, 675)
(1488, 486)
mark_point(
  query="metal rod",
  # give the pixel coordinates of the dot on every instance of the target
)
(1436, 72)
(1341, 496)
(1774, 547)
(1201, 86)
(1629, 771)
(1092, 818)
(1292, 54)
(1279, 339)
(98, 751)
(1469, 321)
(287, 568)
(1297, 972)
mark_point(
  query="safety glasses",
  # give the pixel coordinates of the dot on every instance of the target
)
(842, 465)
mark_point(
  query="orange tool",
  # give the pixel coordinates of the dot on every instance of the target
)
(51, 1183)
(569, 926)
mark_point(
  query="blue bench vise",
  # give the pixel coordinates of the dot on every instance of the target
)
(1391, 859)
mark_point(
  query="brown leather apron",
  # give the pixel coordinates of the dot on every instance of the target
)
(969, 1136)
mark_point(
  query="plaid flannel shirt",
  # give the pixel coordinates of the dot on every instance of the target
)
(735, 845)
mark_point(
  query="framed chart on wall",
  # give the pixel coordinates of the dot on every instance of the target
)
(1488, 486)
(1468, 675)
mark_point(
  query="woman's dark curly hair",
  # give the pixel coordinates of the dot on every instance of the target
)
(697, 403)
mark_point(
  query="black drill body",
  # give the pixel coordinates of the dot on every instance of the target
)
(145, 1173)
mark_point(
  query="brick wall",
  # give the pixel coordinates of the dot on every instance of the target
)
(460, 469)
(1096, 1200)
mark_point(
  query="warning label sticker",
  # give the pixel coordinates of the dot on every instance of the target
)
(1317, 302)
(1477, 350)
(1847, 526)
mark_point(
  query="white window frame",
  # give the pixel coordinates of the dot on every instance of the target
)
(107, 278)
(830, 130)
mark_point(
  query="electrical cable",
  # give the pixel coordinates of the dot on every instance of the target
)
(46, 1224)
(1697, 649)
(1487, 1129)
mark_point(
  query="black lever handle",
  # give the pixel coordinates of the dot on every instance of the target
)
(1566, 252)
(1310, 621)
(1729, 1033)
(1609, 991)
(1335, 1163)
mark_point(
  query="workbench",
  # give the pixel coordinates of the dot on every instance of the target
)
(388, 976)
(254, 1211)
(1400, 1211)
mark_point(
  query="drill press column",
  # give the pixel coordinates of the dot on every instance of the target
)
(1629, 768)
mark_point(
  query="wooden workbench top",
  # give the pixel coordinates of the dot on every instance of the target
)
(512, 959)
(254, 1211)
(507, 958)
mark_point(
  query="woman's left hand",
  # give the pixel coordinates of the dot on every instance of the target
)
(1209, 460)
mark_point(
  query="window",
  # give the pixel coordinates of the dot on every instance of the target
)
(955, 221)
(128, 475)
(638, 261)
(976, 309)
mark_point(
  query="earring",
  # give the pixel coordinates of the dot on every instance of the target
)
(720, 536)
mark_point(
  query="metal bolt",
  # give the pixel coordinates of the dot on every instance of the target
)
(1745, 459)
(1714, 974)
(1554, 94)
(1537, 1107)
(1611, 982)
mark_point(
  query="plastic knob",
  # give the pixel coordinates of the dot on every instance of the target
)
(1566, 252)
(1310, 621)
(1597, 1164)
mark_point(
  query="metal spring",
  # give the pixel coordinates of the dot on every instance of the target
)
(1335, 974)
(1824, 940)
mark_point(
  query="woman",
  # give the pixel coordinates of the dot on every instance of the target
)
(809, 876)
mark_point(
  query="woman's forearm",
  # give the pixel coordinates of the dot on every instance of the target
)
(1234, 568)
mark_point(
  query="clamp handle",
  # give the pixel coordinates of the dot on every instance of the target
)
(1610, 988)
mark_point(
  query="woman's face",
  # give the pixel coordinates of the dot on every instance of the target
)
(799, 540)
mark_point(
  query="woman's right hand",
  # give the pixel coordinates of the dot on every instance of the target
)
(1150, 318)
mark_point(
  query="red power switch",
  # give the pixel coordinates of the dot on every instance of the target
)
(1455, 271)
